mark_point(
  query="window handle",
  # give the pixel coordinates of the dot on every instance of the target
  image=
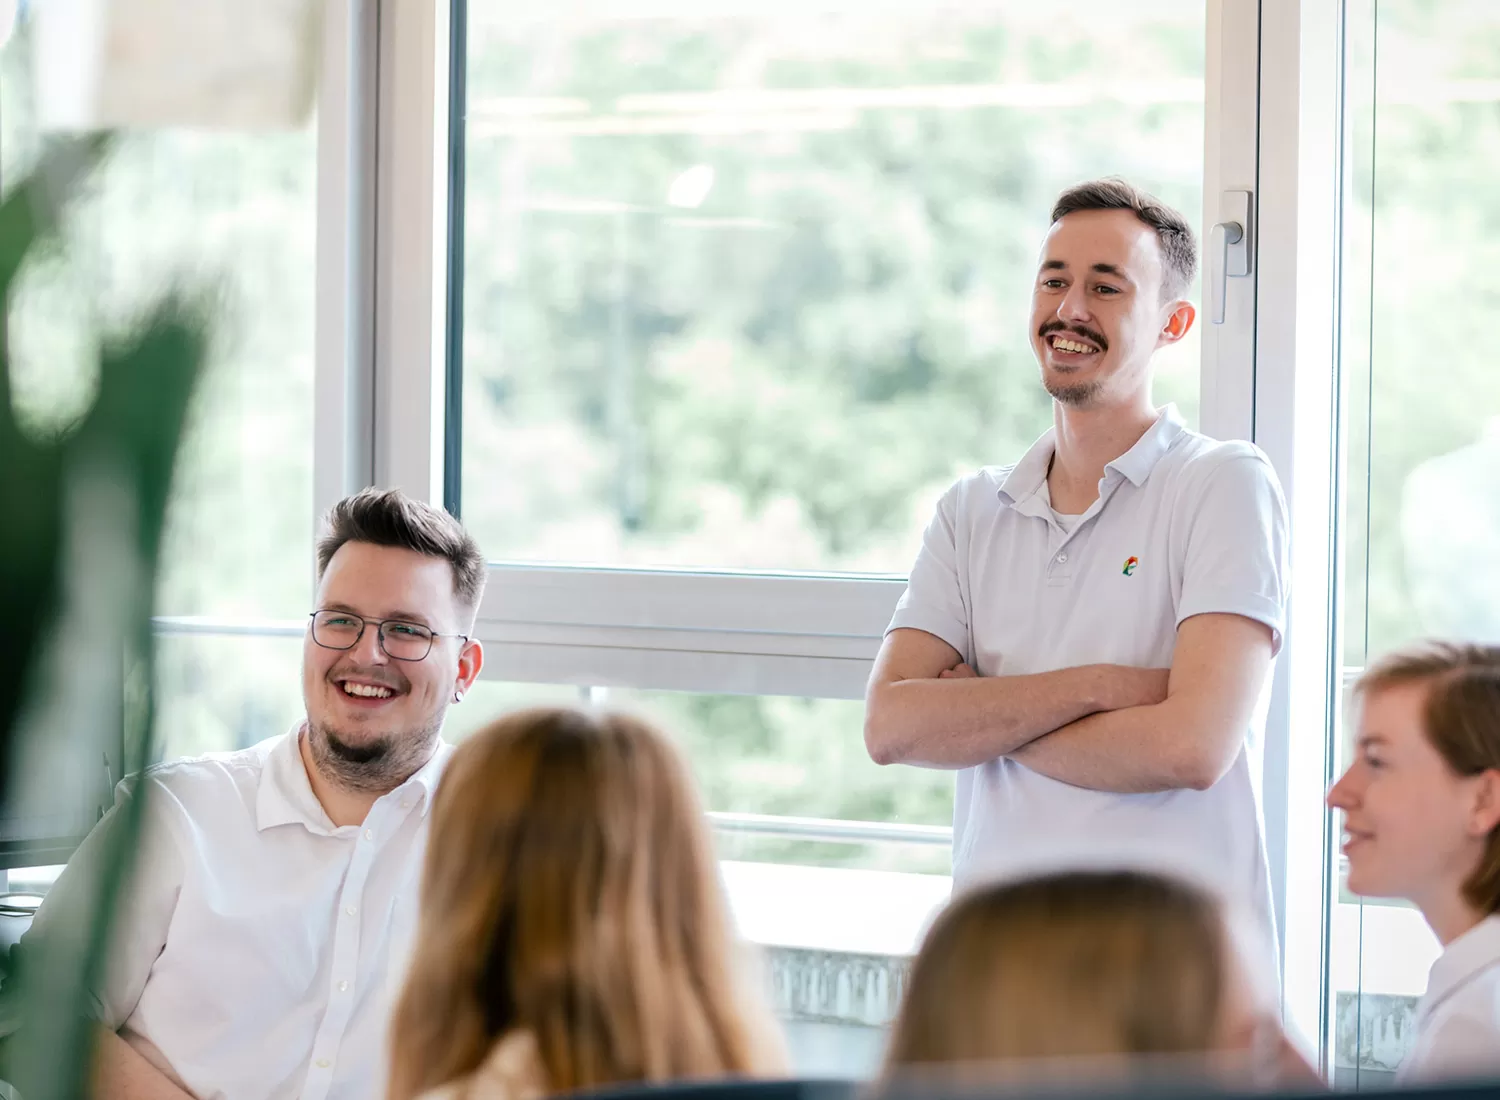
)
(1229, 249)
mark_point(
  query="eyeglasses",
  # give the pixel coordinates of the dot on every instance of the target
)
(400, 640)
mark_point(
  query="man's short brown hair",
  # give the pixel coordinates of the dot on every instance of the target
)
(1179, 246)
(1461, 718)
(388, 517)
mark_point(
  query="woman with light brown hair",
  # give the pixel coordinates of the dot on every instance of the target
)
(1421, 805)
(573, 931)
(1085, 974)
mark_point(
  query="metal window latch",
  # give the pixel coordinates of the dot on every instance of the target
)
(1229, 249)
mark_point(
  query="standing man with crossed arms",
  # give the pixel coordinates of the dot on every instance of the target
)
(1086, 632)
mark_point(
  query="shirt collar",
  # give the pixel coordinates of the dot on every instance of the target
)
(1476, 950)
(1028, 476)
(285, 795)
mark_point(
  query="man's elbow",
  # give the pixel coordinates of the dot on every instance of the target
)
(1203, 767)
(881, 737)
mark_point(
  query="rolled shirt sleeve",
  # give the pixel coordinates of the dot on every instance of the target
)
(934, 599)
(1236, 554)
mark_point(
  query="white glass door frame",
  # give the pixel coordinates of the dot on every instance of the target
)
(1295, 404)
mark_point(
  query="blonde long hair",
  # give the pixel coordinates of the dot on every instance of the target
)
(570, 891)
(1068, 966)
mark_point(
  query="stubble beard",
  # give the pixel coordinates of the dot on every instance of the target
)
(376, 766)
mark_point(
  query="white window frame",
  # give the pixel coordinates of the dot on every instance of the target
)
(1296, 384)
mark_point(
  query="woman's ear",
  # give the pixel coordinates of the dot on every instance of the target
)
(1484, 812)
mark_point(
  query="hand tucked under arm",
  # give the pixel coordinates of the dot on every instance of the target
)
(1187, 741)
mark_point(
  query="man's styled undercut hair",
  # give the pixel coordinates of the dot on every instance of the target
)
(388, 517)
(1179, 246)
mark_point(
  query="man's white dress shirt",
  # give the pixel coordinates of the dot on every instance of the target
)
(259, 949)
(1458, 1018)
(1184, 525)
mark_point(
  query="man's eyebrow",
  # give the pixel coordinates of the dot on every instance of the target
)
(1113, 269)
(405, 616)
(1054, 265)
(409, 617)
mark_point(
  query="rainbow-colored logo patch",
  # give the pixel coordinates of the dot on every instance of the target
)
(1130, 564)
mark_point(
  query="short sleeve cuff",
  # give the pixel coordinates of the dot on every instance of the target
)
(939, 626)
(1261, 609)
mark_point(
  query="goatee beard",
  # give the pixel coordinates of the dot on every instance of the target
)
(1077, 395)
(377, 766)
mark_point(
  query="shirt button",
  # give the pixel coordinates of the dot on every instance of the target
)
(406, 803)
(324, 1063)
(369, 834)
(343, 987)
(351, 910)
(1062, 559)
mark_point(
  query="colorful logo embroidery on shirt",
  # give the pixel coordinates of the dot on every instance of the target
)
(1130, 564)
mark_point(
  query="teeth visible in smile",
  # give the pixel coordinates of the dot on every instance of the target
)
(1062, 344)
(367, 691)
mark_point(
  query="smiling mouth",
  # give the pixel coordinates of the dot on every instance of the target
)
(1071, 347)
(1352, 838)
(356, 689)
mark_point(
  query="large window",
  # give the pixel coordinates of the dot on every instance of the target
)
(746, 285)
(1420, 416)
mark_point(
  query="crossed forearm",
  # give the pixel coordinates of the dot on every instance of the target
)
(961, 720)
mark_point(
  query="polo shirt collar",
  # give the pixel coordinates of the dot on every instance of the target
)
(285, 795)
(1028, 476)
(1475, 951)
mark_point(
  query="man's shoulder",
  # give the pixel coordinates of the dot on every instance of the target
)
(1197, 460)
(212, 774)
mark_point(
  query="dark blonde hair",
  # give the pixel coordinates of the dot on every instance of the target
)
(1179, 247)
(570, 891)
(388, 517)
(1461, 718)
(1073, 965)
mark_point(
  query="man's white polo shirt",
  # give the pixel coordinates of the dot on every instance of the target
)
(1183, 526)
(259, 950)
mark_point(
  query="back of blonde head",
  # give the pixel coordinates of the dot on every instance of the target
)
(570, 891)
(1076, 965)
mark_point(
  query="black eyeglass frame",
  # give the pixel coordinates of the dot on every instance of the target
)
(379, 625)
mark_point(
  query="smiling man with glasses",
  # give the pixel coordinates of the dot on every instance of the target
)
(266, 928)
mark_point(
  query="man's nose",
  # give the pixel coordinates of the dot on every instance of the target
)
(368, 650)
(1074, 305)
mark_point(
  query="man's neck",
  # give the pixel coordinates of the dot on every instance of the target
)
(343, 806)
(1088, 440)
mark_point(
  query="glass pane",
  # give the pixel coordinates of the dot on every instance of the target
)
(1420, 417)
(233, 215)
(772, 756)
(747, 285)
(218, 694)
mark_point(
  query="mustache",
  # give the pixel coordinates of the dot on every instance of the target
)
(1077, 330)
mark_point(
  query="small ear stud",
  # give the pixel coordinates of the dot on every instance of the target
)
(458, 697)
